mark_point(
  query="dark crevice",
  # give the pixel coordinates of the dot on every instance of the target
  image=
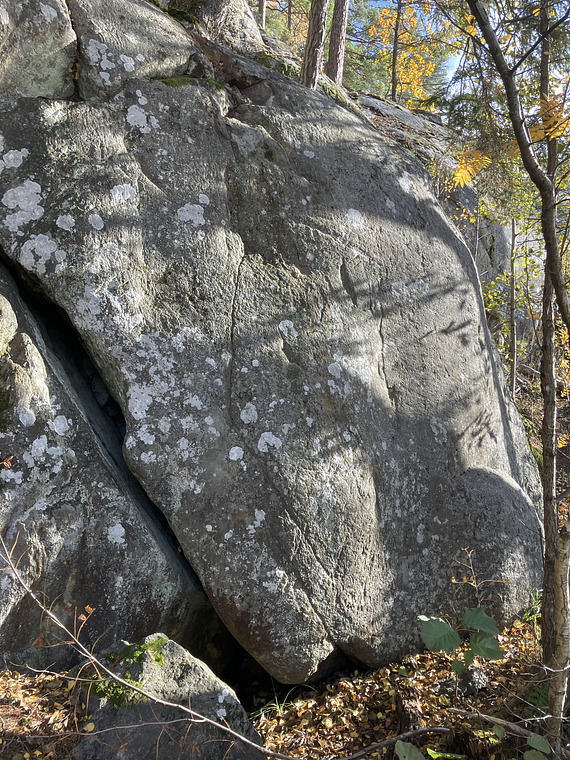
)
(75, 66)
(73, 366)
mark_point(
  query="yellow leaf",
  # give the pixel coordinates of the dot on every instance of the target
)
(89, 727)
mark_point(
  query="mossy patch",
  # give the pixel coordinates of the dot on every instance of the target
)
(218, 85)
(288, 68)
(187, 13)
(117, 694)
(136, 652)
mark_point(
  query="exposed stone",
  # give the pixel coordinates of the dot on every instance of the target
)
(147, 730)
(295, 335)
(117, 43)
(38, 49)
(73, 516)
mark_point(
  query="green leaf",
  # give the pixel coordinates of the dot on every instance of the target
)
(433, 753)
(407, 751)
(458, 667)
(469, 656)
(438, 636)
(499, 731)
(486, 646)
(478, 619)
(538, 742)
(533, 754)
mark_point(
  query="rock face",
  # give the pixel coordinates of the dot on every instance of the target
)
(295, 336)
(147, 730)
(73, 513)
(488, 241)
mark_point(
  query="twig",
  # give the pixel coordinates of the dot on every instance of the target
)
(402, 737)
(511, 728)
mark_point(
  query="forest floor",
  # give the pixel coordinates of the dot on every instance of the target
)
(39, 717)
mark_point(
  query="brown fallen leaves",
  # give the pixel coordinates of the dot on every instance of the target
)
(38, 718)
(362, 709)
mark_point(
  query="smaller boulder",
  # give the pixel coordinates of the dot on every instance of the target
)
(140, 728)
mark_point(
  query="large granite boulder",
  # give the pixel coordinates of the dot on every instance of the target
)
(296, 338)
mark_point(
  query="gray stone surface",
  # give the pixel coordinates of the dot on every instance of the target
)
(119, 40)
(295, 335)
(145, 730)
(436, 146)
(38, 47)
(72, 513)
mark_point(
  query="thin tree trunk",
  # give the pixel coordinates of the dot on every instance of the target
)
(335, 63)
(548, 388)
(513, 315)
(560, 661)
(314, 46)
(262, 9)
(290, 16)
(395, 51)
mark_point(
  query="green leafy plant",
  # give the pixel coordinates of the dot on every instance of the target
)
(439, 636)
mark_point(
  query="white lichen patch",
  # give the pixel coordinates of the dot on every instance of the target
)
(100, 56)
(191, 212)
(236, 453)
(116, 534)
(48, 12)
(128, 62)
(61, 425)
(288, 329)
(96, 221)
(25, 201)
(438, 430)
(13, 159)
(122, 194)
(65, 222)
(221, 712)
(335, 370)
(405, 181)
(259, 518)
(268, 439)
(4, 17)
(27, 417)
(354, 217)
(140, 399)
(248, 414)
(38, 251)
(136, 117)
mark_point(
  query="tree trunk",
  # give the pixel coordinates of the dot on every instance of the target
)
(548, 388)
(290, 16)
(262, 10)
(335, 63)
(315, 41)
(395, 51)
(513, 315)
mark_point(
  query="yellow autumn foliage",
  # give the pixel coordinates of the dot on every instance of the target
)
(470, 163)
